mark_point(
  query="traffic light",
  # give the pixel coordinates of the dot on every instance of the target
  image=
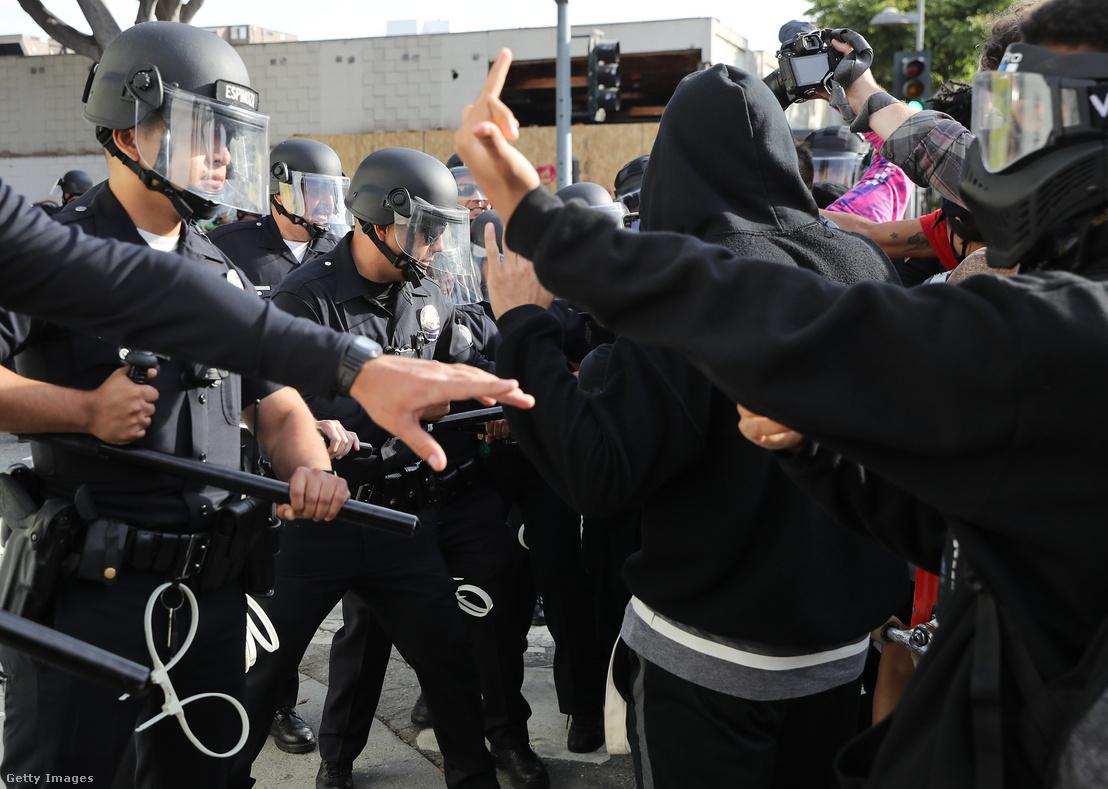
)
(604, 79)
(912, 77)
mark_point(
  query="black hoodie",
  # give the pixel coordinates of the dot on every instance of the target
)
(730, 546)
(724, 169)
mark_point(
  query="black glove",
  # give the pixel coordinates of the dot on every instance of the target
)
(849, 69)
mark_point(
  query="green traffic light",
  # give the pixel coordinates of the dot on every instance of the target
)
(915, 105)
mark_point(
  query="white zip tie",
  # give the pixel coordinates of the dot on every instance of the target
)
(160, 677)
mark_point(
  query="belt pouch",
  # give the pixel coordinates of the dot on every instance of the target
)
(37, 541)
(234, 536)
(261, 565)
(103, 553)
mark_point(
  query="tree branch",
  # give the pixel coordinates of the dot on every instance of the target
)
(58, 30)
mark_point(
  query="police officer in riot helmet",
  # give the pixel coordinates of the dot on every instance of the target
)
(595, 196)
(191, 118)
(306, 215)
(173, 107)
(70, 186)
(398, 280)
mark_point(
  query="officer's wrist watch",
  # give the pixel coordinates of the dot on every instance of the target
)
(358, 352)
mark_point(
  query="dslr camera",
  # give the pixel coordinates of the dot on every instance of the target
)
(806, 63)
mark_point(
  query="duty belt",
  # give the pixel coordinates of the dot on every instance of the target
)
(178, 555)
(418, 487)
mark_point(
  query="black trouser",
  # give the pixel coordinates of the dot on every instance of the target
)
(549, 561)
(682, 734)
(472, 545)
(67, 726)
(406, 584)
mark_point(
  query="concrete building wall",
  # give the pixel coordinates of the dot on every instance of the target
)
(393, 84)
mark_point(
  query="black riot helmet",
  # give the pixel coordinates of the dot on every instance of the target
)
(629, 182)
(595, 196)
(1036, 176)
(417, 193)
(187, 95)
(307, 176)
(74, 184)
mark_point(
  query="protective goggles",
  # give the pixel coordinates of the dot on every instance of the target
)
(316, 198)
(1017, 113)
(214, 150)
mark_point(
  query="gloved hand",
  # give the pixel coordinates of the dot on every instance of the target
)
(853, 65)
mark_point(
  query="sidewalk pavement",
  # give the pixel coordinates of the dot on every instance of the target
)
(401, 756)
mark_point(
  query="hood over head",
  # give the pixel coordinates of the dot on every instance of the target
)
(723, 168)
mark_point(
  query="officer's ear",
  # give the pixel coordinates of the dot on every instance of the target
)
(382, 232)
(125, 141)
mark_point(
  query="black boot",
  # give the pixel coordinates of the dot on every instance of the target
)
(290, 732)
(523, 766)
(333, 775)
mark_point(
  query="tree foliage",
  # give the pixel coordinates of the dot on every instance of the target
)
(103, 24)
(952, 31)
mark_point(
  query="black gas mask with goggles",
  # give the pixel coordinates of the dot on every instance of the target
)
(1036, 175)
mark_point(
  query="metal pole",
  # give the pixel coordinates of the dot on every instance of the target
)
(561, 97)
(919, 27)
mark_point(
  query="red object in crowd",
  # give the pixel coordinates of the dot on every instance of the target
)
(927, 594)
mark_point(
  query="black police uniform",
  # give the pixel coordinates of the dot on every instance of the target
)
(406, 585)
(128, 292)
(258, 249)
(256, 246)
(63, 725)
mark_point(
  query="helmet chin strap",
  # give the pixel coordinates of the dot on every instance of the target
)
(408, 265)
(186, 204)
(317, 231)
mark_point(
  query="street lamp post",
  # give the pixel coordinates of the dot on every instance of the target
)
(890, 16)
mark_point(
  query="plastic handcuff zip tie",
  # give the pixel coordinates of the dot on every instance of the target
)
(160, 677)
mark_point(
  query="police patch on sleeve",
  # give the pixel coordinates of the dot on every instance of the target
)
(234, 278)
(465, 333)
(429, 322)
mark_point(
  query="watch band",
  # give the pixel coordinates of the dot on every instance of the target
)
(358, 352)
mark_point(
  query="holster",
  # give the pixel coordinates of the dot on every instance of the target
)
(38, 537)
(244, 540)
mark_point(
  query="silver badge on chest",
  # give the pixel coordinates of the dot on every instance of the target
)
(429, 322)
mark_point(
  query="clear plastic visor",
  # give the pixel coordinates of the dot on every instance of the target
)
(438, 238)
(840, 167)
(316, 198)
(213, 150)
(1013, 116)
(614, 211)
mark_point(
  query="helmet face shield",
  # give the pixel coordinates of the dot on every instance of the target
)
(615, 211)
(1013, 116)
(839, 166)
(318, 199)
(438, 239)
(213, 150)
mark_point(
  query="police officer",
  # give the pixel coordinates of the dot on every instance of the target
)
(306, 191)
(144, 529)
(381, 281)
(70, 186)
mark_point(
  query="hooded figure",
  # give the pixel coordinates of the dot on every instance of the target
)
(736, 182)
(747, 631)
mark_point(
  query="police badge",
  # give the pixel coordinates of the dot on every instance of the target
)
(429, 322)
